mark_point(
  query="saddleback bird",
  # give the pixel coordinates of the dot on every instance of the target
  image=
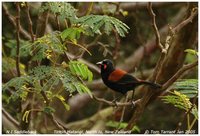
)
(119, 80)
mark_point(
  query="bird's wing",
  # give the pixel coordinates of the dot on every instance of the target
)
(128, 79)
(122, 77)
(116, 75)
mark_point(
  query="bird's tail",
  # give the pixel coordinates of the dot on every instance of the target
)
(155, 85)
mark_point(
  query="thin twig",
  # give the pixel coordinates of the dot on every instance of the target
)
(30, 22)
(90, 8)
(42, 22)
(12, 20)
(79, 45)
(110, 103)
(185, 115)
(158, 42)
(135, 58)
(185, 22)
(56, 123)
(18, 39)
(169, 39)
(30, 95)
(153, 16)
(66, 23)
(178, 74)
(10, 118)
(89, 45)
(51, 116)
(117, 45)
(123, 110)
(146, 98)
(57, 21)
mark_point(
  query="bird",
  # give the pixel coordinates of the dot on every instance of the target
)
(119, 80)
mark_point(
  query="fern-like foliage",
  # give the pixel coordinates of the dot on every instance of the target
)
(20, 85)
(25, 48)
(95, 22)
(63, 9)
(188, 87)
(80, 69)
(51, 76)
(180, 101)
(72, 34)
(43, 47)
(9, 64)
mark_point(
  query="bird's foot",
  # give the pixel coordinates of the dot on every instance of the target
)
(115, 103)
(133, 103)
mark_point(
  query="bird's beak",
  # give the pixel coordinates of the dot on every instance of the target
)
(99, 63)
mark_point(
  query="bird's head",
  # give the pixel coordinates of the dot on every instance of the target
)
(106, 65)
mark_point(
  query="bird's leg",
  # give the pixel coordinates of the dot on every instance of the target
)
(123, 110)
(132, 99)
(115, 102)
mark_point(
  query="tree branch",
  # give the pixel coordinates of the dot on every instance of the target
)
(185, 22)
(58, 22)
(178, 74)
(110, 103)
(10, 118)
(12, 20)
(158, 42)
(30, 22)
(42, 23)
(18, 39)
(134, 6)
(51, 116)
(133, 60)
(117, 45)
(153, 16)
(184, 40)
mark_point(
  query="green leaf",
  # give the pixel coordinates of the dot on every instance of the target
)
(195, 112)
(180, 101)
(72, 34)
(67, 107)
(25, 48)
(75, 66)
(44, 46)
(191, 51)
(19, 85)
(63, 9)
(96, 22)
(90, 76)
(78, 88)
(62, 99)
(188, 87)
(135, 129)
(80, 69)
(48, 110)
(115, 124)
(86, 90)
(8, 64)
(25, 116)
(72, 68)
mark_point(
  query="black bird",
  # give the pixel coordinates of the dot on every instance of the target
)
(119, 80)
